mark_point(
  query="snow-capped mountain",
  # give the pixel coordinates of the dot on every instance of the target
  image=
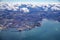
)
(16, 6)
(27, 16)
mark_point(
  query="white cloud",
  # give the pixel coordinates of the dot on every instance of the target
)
(24, 10)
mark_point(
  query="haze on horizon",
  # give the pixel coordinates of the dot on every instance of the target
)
(39, 1)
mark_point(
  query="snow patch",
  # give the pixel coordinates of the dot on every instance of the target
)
(25, 10)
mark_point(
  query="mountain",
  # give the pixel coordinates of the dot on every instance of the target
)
(27, 16)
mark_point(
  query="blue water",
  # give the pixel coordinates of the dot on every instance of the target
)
(49, 30)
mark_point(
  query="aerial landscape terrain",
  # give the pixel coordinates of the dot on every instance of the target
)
(29, 19)
(27, 16)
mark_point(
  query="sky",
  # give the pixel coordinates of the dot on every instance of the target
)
(30, 0)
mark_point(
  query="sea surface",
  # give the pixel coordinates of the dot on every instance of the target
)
(49, 30)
